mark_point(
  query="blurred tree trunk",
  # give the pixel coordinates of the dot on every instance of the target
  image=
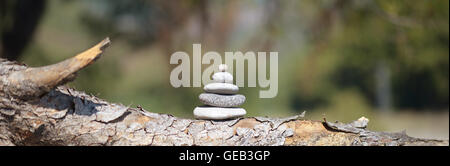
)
(36, 110)
(18, 21)
(383, 86)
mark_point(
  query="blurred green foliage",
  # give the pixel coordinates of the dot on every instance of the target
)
(330, 51)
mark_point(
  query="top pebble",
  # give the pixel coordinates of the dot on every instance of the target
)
(223, 67)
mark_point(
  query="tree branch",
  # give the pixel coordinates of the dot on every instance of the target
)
(35, 110)
(27, 83)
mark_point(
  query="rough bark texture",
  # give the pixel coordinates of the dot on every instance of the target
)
(36, 111)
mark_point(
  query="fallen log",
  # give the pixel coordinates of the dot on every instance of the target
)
(37, 109)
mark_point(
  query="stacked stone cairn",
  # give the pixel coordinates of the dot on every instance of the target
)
(221, 99)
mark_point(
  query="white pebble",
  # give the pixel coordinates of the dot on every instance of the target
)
(221, 88)
(223, 67)
(223, 77)
(218, 113)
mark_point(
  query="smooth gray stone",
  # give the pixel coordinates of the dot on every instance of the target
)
(222, 100)
(221, 88)
(222, 77)
(217, 113)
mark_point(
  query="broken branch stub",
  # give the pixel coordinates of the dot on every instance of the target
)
(34, 81)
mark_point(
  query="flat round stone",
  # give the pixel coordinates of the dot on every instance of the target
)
(223, 77)
(221, 88)
(217, 113)
(222, 100)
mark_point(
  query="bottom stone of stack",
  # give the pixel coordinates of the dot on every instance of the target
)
(218, 113)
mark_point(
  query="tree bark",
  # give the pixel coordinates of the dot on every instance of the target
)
(37, 109)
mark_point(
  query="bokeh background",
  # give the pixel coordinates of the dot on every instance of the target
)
(339, 59)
